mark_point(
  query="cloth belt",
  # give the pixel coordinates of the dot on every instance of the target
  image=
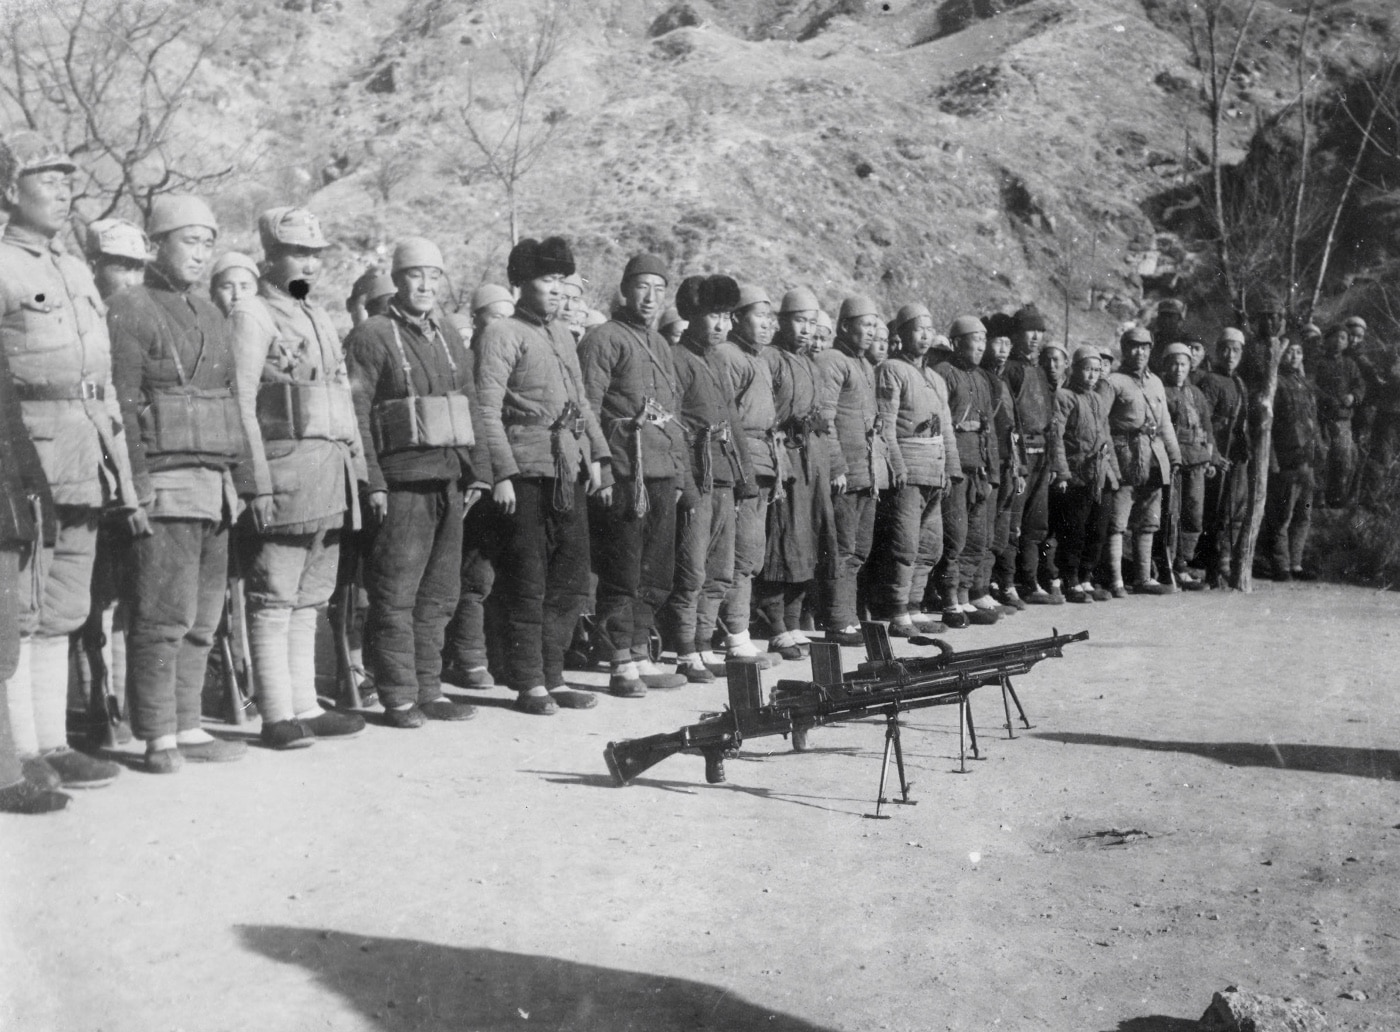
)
(84, 390)
(1034, 451)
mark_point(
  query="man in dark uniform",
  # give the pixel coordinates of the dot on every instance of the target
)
(630, 377)
(545, 446)
(1297, 441)
(705, 540)
(999, 565)
(1341, 389)
(427, 459)
(965, 503)
(800, 531)
(861, 462)
(1227, 495)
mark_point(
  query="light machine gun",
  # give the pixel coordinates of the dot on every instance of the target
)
(881, 687)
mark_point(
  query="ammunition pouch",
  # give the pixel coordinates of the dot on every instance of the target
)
(295, 411)
(192, 420)
(422, 421)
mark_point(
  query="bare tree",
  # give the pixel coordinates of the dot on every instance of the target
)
(1304, 158)
(1215, 52)
(512, 143)
(109, 79)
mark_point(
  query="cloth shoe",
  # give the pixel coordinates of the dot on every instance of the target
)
(541, 705)
(741, 647)
(694, 670)
(404, 719)
(36, 771)
(1152, 587)
(625, 682)
(846, 636)
(30, 798)
(984, 611)
(446, 709)
(334, 724)
(1077, 594)
(955, 618)
(653, 676)
(785, 646)
(163, 761)
(286, 734)
(569, 698)
(1009, 597)
(473, 678)
(1118, 590)
(902, 628)
(78, 770)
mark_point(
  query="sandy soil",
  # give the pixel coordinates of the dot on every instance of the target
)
(1208, 797)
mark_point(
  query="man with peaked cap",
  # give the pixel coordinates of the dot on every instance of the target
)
(173, 368)
(1296, 441)
(117, 251)
(1341, 389)
(1191, 421)
(1146, 449)
(575, 312)
(912, 400)
(233, 278)
(630, 376)
(971, 401)
(1227, 495)
(751, 382)
(800, 530)
(427, 465)
(1080, 517)
(1041, 444)
(705, 542)
(547, 448)
(824, 333)
(53, 329)
(862, 461)
(370, 295)
(999, 563)
(308, 459)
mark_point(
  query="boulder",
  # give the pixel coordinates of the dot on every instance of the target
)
(1239, 1010)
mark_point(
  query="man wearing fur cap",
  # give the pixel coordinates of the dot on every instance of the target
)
(630, 377)
(545, 444)
(705, 541)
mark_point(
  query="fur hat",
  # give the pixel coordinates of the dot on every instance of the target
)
(702, 295)
(532, 259)
(999, 324)
(1028, 317)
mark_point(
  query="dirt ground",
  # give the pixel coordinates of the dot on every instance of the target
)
(1208, 797)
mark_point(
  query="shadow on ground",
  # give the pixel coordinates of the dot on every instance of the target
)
(423, 985)
(1380, 764)
(1158, 1023)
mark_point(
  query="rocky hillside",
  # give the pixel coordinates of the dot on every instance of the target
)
(973, 154)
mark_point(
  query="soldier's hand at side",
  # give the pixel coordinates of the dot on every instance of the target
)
(378, 505)
(1061, 483)
(901, 479)
(470, 497)
(262, 510)
(1018, 485)
(139, 523)
(838, 484)
(1349, 401)
(1210, 472)
(504, 496)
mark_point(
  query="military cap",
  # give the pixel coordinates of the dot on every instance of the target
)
(999, 324)
(1356, 321)
(1134, 337)
(1336, 328)
(116, 238)
(856, 306)
(645, 265)
(941, 343)
(1172, 350)
(1051, 345)
(824, 320)
(490, 294)
(702, 295)
(27, 151)
(232, 260)
(372, 284)
(416, 253)
(1028, 318)
(752, 295)
(176, 211)
(576, 281)
(799, 299)
(290, 227)
(1172, 305)
(534, 259)
(965, 324)
(908, 313)
(1311, 330)
(669, 318)
(1085, 352)
(1230, 333)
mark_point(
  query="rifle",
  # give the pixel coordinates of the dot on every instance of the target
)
(883, 687)
(104, 708)
(1171, 526)
(240, 704)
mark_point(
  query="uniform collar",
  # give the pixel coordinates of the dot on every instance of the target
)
(156, 279)
(528, 317)
(847, 348)
(424, 324)
(743, 342)
(34, 243)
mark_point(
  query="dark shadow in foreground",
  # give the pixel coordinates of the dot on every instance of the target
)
(1158, 1023)
(422, 985)
(1380, 764)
